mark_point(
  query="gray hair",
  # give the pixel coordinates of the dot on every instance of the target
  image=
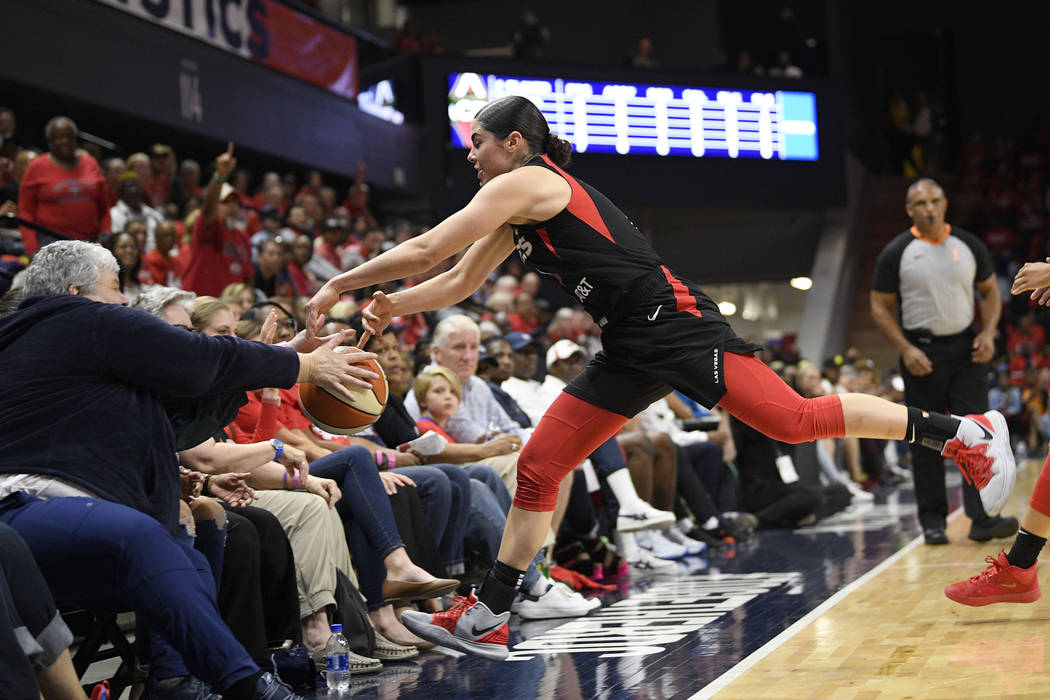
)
(64, 264)
(919, 183)
(450, 324)
(153, 300)
(56, 122)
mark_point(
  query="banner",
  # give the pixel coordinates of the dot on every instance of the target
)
(263, 31)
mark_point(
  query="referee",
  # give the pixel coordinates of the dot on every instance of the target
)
(931, 269)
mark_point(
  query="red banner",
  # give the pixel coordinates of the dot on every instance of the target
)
(307, 49)
(264, 31)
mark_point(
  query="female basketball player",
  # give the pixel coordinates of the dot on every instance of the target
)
(658, 332)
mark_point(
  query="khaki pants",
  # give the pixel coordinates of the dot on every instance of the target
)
(318, 544)
(507, 468)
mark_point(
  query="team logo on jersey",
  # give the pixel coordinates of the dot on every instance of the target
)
(524, 248)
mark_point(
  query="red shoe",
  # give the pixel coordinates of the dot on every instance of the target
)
(468, 626)
(1001, 582)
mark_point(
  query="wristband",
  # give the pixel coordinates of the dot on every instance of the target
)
(278, 449)
(295, 480)
(204, 489)
(380, 458)
(216, 178)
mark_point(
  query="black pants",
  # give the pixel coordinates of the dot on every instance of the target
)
(32, 635)
(691, 489)
(956, 385)
(258, 598)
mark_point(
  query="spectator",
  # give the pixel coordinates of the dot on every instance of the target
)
(219, 255)
(302, 279)
(643, 54)
(529, 37)
(112, 169)
(9, 192)
(187, 183)
(784, 67)
(64, 189)
(133, 276)
(139, 163)
(239, 297)
(271, 273)
(130, 208)
(163, 262)
(162, 163)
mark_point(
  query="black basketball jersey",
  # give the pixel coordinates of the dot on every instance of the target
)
(590, 246)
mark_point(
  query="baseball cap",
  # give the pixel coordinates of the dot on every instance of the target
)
(484, 356)
(226, 192)
(519, 340)
(562, 350)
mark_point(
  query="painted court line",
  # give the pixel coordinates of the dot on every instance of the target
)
(769, 647)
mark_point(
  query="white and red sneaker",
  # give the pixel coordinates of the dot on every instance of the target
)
(983, 454)
(468, 626)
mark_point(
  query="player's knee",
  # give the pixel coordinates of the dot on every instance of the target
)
(538, 482)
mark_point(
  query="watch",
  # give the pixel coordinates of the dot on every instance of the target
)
(278, 449)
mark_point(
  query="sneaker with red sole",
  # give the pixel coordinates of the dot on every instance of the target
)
(984, 456)
(1001, 582)
(468, 626)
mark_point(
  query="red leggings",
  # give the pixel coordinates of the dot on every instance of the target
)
(1040, 502)
(572, 428)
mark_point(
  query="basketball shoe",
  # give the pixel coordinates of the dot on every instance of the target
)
(642, 516)
(1001, 582)
(468, 626)
(982, 451)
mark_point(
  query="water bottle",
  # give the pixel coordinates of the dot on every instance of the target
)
(336, 653)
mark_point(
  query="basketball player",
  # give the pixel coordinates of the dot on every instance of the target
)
(1011, 578)
(659, 332)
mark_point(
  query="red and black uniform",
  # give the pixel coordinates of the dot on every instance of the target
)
(659, 332)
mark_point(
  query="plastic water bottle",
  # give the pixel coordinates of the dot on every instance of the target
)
(336, 653)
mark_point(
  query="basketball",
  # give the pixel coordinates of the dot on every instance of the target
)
(334, 415)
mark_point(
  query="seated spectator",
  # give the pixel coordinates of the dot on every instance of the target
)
(133, 275)
(34, 640)
(303, 280)
(10, 189)
(132, 488)
(784, 68)
(131, 208)
(63, 189)
(271, 272)
(238, 297)
(163, 262)
(139, 163)
(218, 255)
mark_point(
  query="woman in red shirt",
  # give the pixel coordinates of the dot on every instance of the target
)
(63, 189)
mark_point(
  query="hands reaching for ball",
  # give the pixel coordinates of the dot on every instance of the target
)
(334, 368)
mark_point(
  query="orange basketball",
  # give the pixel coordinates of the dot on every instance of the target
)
(334, 415)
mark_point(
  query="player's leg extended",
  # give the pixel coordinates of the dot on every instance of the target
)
(980, 445)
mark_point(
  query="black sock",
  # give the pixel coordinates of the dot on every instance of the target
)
(243, 689)
(1026, 549)
(930, 430)
(500, 587)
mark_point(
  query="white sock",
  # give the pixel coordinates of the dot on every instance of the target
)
(685, 525)
(625, 545)
(623, 488)
(542, 585)
(710, 524)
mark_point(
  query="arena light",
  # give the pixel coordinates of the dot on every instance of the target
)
(801, 283)
(727, 308)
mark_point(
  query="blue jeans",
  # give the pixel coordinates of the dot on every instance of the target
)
(490, 502)
(444, 491)
(97, 553)
(365, 510)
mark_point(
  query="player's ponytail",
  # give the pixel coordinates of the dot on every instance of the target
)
(514, 113)
(559, 150)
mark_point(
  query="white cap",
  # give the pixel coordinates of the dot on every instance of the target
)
(562, 350)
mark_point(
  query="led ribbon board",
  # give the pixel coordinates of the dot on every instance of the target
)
(638, 119)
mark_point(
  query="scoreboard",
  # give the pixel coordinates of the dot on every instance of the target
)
(642, 119)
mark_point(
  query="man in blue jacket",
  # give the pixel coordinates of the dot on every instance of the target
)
(88, 472)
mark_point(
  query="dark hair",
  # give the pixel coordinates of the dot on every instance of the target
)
(125, 275)
(514, 113)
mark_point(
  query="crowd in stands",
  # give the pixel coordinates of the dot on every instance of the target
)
(294, 521)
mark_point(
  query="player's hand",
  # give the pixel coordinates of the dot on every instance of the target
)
(226, 163)
(378, 314)
(392, 480)
(916, 362)
(1032, 276)
(308, 340)
(334, 368)
(983, 347)
(321, 302)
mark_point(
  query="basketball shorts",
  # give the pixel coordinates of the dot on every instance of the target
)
(665, 333)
